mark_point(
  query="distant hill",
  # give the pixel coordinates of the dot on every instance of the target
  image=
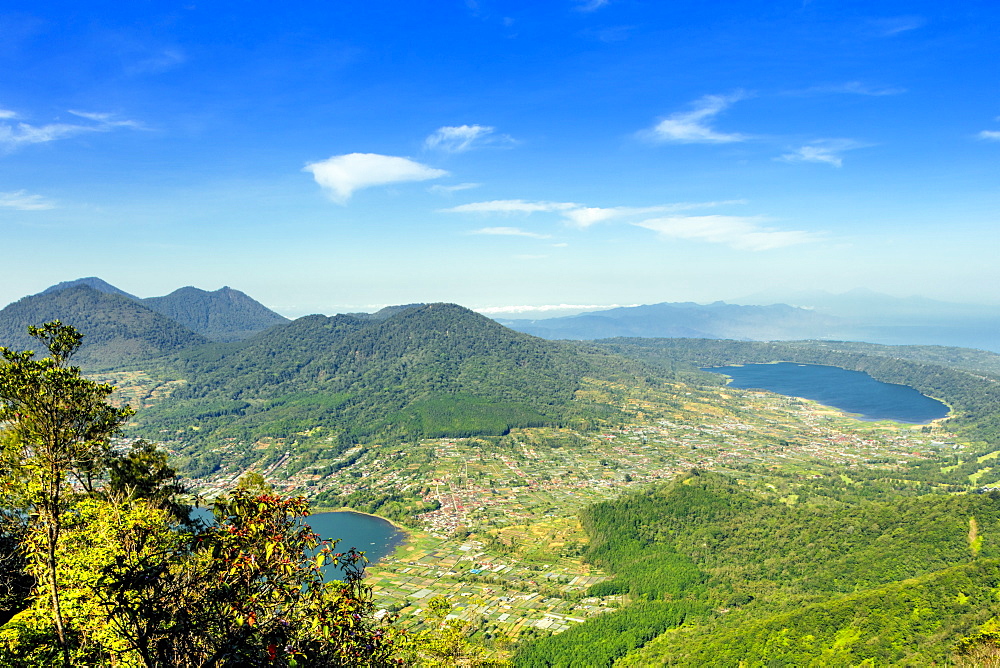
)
(92, 282)
(116, 328)
(427, 370)
(222, 315)
(878, 318)
(711, 321)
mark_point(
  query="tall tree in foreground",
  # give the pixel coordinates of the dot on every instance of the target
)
(58, 425)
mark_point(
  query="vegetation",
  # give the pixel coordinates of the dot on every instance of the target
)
(973, 397)
(424, 371)
(121, 577)
(838, 578)
(119, 328)
(222, 315)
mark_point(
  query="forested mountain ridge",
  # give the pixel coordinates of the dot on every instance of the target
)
(91, 281)
(120, 328)
(223, 315)
(421, 371)
(117, 328)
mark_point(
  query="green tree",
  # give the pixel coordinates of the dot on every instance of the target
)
(58, 426)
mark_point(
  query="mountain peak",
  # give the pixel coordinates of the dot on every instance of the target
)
(91, 282)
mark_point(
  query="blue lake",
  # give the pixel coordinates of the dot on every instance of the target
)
(851, 391)
(374, 536)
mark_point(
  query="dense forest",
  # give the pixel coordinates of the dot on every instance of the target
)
(423, 371)
(836, 578)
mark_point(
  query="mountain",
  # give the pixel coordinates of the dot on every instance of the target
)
(92, 282)
(222, 315)
(687, 319)
(116, 328)
(879, 318)
(869, 306)
(426, 370)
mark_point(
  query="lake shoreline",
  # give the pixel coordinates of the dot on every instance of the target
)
(854, 393)
(401, 530)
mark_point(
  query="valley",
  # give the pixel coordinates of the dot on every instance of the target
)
(503, 455)
(506, 544)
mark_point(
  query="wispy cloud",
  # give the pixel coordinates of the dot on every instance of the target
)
(579, 215)
(510, 231)
(22, 201)
(739, 232)
(894, 25)
(825, 150)
(342, 175)
(160, 61)
(989, 135)
(459, 138)
(15, 135)
(694, 126)
(585, 216)
(510, 206)
(592, 5)
(850, 88)
(448, 190)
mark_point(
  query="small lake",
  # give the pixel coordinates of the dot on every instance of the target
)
(853, 392)
(372, 535)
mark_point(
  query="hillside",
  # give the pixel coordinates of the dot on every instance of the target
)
(222, 315)
(92, 282)
(845, 571)
(423, 371)
(116, 328)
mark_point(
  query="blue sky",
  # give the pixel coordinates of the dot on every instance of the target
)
(507, 156)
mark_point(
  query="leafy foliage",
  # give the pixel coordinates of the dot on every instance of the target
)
(848, 574)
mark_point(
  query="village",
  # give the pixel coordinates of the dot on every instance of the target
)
(506, 546)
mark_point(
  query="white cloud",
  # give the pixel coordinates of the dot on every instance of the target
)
(511, 206)
(592, 5)
(447, 190)
(342, 175)
(22, 201)
(459, 138)
(586, 216)
(826, 151)
(579, 215)
(739, 232)
(15, 135)
(990, 135)
(693, 127)
(510, 231)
